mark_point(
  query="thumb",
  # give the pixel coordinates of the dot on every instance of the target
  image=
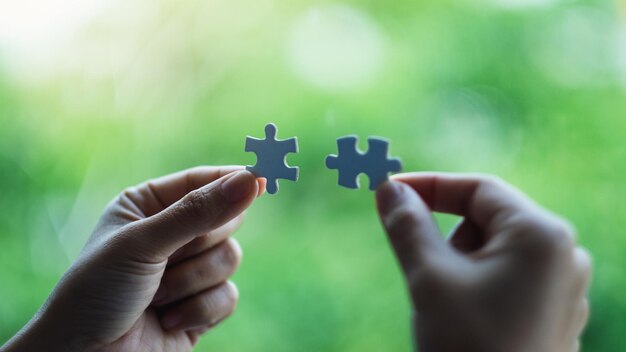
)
(410, 227)
(156, 238)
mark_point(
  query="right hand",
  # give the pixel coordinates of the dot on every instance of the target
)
(510, 278)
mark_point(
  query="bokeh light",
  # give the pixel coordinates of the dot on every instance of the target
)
(336, 47)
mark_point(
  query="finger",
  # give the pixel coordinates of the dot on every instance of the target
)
(207, 308)
(491, 204)
(204, 242)
(582, 265)
(582, 316)
(199, 273)
(575, 346)
(576, 317)
(194, 334)
(262, 185)
(466, 237)
(579, 321)
(477, 197)
(153, 196)
(410, 226)
(459, 193)
(156, 238)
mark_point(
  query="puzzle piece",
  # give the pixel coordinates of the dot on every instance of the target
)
(350, 162)
(271, 156)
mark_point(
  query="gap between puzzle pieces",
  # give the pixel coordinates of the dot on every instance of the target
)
(271, 156)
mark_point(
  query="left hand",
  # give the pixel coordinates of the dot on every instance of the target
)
(153, 276)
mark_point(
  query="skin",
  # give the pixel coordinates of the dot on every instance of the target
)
(154, 274)
(510, 277)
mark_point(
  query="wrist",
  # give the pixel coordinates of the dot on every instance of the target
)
(47, 332)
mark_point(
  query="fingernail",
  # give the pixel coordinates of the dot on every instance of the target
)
(388, 196)
(160, 295)
(171, 320)
(238, 186)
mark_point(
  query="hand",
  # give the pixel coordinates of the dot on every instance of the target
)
(508, 279)
(153, 276)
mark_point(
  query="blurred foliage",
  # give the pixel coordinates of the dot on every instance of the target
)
(534, 92)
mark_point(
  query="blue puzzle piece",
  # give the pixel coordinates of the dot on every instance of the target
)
(350, 162)
(271, 157)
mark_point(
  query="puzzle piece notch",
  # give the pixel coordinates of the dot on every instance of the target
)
(351, 162)
(272, 157)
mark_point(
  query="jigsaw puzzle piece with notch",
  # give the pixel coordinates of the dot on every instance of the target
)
(350, 162)
(271, 157)
(346, 162)
(379, 165)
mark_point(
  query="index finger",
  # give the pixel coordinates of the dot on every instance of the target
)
(482, 199)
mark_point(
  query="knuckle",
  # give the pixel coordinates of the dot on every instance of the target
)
(491, 180)
(563, 227)
(583, 263)
(584, 308)
(204, 242)
(491, 183)
(129, 192)
(209, 305)
(545, 232)
(230, 254)
(221, 301)
(197, 204)
(401, 219)
(490, 188)
(127, 197)
(231, 295)
(195, 273)
(559, 234)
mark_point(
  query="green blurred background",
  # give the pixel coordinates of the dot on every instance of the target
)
(99, 95)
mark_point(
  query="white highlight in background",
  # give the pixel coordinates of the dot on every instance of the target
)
(33, 33)
(620, 55)
(575, 49)
(336, 48)
(524, 4)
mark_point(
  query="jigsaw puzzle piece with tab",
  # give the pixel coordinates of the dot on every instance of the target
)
(375, 163)
(271, 157)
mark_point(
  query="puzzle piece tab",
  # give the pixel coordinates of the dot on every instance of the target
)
(350, 162)
(271, 156)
